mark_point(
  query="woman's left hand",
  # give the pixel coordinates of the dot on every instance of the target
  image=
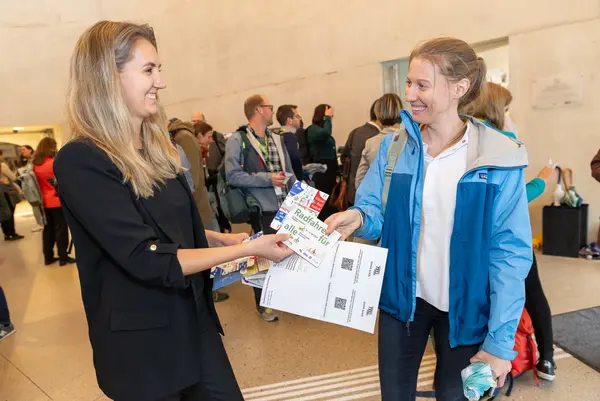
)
(500, 367)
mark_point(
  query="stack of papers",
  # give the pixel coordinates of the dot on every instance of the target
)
(230, 272)
(344, 290)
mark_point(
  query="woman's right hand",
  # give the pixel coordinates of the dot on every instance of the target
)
(329, 111)
(345, 223)
(270, 247)
(549, 174)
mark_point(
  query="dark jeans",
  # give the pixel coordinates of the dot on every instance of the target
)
(401, 349)
(55, 232)
(8, 226)
(261, 222)
(217, 381)
(539, 310)
(4, 314)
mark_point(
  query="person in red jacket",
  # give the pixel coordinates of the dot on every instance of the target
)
(55, 230)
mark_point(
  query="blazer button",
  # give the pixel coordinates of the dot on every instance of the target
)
(153, 247)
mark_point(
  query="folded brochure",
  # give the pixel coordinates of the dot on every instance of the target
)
(230, 272)
(307, 235)
(302, 196)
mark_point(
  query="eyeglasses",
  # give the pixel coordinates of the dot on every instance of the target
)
(270, 106)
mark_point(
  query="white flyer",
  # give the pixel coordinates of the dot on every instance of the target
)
(344, 290)
(308, 238)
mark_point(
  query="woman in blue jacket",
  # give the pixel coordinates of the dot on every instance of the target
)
(456, 229)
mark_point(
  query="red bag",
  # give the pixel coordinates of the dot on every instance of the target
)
(525, 347)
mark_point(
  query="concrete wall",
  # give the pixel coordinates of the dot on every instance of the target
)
(568, 134)
(216, 53)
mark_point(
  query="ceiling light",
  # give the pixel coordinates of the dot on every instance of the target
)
(18, 128)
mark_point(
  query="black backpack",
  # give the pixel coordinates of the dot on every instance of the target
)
(303, 147)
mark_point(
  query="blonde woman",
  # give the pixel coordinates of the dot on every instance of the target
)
(142, 252)
(387, 111)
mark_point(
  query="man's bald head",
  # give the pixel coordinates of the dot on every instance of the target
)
(198, 117)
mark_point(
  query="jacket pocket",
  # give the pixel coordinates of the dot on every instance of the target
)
(138, 319)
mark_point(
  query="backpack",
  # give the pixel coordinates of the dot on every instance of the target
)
(30, 186)
(525, 347)
(526, 354)
(303, 146)
(233, 200)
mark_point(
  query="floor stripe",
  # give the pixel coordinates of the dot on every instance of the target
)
(354, 383)
(308, 379)
(428, 360)
(336, 384)
(374, 375)
(429, 367)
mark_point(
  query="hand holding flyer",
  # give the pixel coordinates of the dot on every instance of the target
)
(308, 238)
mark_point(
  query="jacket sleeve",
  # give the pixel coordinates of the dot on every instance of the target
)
(368, 195)
(596, 167)
(192, 152)
(511, 256)
(234, 172)
(91, 187)
(291, 144)
(186, 165)
(535, 188)
(346, 153)
(4, 169)
(363, 166)
(316, 133)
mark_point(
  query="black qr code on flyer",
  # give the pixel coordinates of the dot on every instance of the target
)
(340, 303)
(347, 264)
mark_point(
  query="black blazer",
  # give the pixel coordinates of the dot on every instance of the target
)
(144, 315)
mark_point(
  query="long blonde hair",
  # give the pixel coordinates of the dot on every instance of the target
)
(97, 109)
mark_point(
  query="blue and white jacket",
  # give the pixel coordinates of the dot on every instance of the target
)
(490, 248)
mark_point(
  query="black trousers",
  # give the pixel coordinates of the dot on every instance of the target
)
(539, 310)
(401, 349)
(4, 314)
(260, 222)
(326, 182)
(217, 381)
(8, 226)
(55, 232)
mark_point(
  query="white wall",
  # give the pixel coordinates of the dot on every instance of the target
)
(217, 53)
(570, 135)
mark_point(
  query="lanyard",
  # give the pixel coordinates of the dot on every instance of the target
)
(265, 151)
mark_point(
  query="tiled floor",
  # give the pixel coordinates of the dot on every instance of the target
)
(49, 358)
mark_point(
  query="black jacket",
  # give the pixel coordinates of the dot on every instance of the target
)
(144, 315)
(291, 144)
(353, 150)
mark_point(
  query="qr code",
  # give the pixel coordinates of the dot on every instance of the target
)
(347, 264)
(340, 303)
(377, 271)
(369, 311)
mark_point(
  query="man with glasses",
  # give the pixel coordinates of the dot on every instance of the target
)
(257, 161)
(291, 121)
